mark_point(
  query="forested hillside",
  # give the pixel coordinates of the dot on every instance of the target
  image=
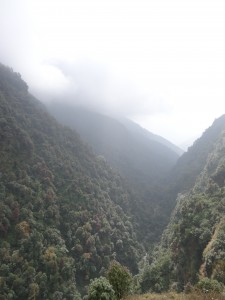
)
(65, 214)
(192, 247)
(136, 129)
(61, 215)
(141, 157)
(192, 162)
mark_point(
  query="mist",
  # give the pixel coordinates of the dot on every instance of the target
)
(161, 64)
(93, 86)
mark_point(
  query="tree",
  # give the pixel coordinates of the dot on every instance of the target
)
(101, 289)
(120, 279)
(207, 285)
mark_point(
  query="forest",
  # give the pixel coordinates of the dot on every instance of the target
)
(83, 218)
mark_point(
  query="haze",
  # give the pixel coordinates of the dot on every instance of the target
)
(160, 63)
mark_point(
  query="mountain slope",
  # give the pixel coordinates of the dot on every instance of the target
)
(137, 129)
(61, 216)
(192, 162)
(139, 158)
(128, 148)
(192, 246)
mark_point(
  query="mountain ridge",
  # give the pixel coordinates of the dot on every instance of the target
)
(118, 141)
(141, 161)
(192, 246)
(65, 213)
(192, 162)
(61, 215)
(137, 128)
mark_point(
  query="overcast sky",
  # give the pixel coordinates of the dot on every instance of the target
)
(159, 62)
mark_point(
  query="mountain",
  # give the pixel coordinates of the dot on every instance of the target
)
(192, 162)
(137, 154)
(61, 208)
(192, 246)
(141, 157)
(65, 213)
(138, 130)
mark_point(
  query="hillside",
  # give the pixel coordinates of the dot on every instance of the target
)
(65, 214)
(61, 216)
(192, 246)
(138, 155)
(138, 130)
(130, 149)
(192, 162)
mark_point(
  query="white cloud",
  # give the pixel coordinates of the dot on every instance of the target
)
(161, 62)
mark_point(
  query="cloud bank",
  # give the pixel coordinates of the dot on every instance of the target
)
(159, 62)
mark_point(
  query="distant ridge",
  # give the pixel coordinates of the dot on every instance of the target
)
(136, 128)
(192, 162)
(132, 150)
(137, 155)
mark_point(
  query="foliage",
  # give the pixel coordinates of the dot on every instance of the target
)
(100, 289)
(157, 276)
(194, 239)
(192, 163)
(65, 214)
(209, 285)
(141, 157)
(120, 279)
(60, 207)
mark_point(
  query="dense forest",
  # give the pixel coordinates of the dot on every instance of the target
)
(142, 158)
(192, 247)
(79, 223)
(61, 215)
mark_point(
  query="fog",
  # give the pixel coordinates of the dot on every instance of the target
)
(158, 62)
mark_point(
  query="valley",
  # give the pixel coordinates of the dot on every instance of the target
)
(80, 191)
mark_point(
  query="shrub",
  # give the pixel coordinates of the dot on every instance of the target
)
(120, 279)
(208, 285)
(100, 289)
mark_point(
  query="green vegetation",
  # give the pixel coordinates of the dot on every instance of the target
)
(210, 285)
(192, 246)
(142, 158)
(120, 279)
(116, 286)
(67, 218)
(61, 216)
(191, 163)
(101, 289)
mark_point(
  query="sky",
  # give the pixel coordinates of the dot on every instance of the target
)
(159, 62)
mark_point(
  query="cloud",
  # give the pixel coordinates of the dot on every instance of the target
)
(155, 61)
(46, 53)
(94, 86)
